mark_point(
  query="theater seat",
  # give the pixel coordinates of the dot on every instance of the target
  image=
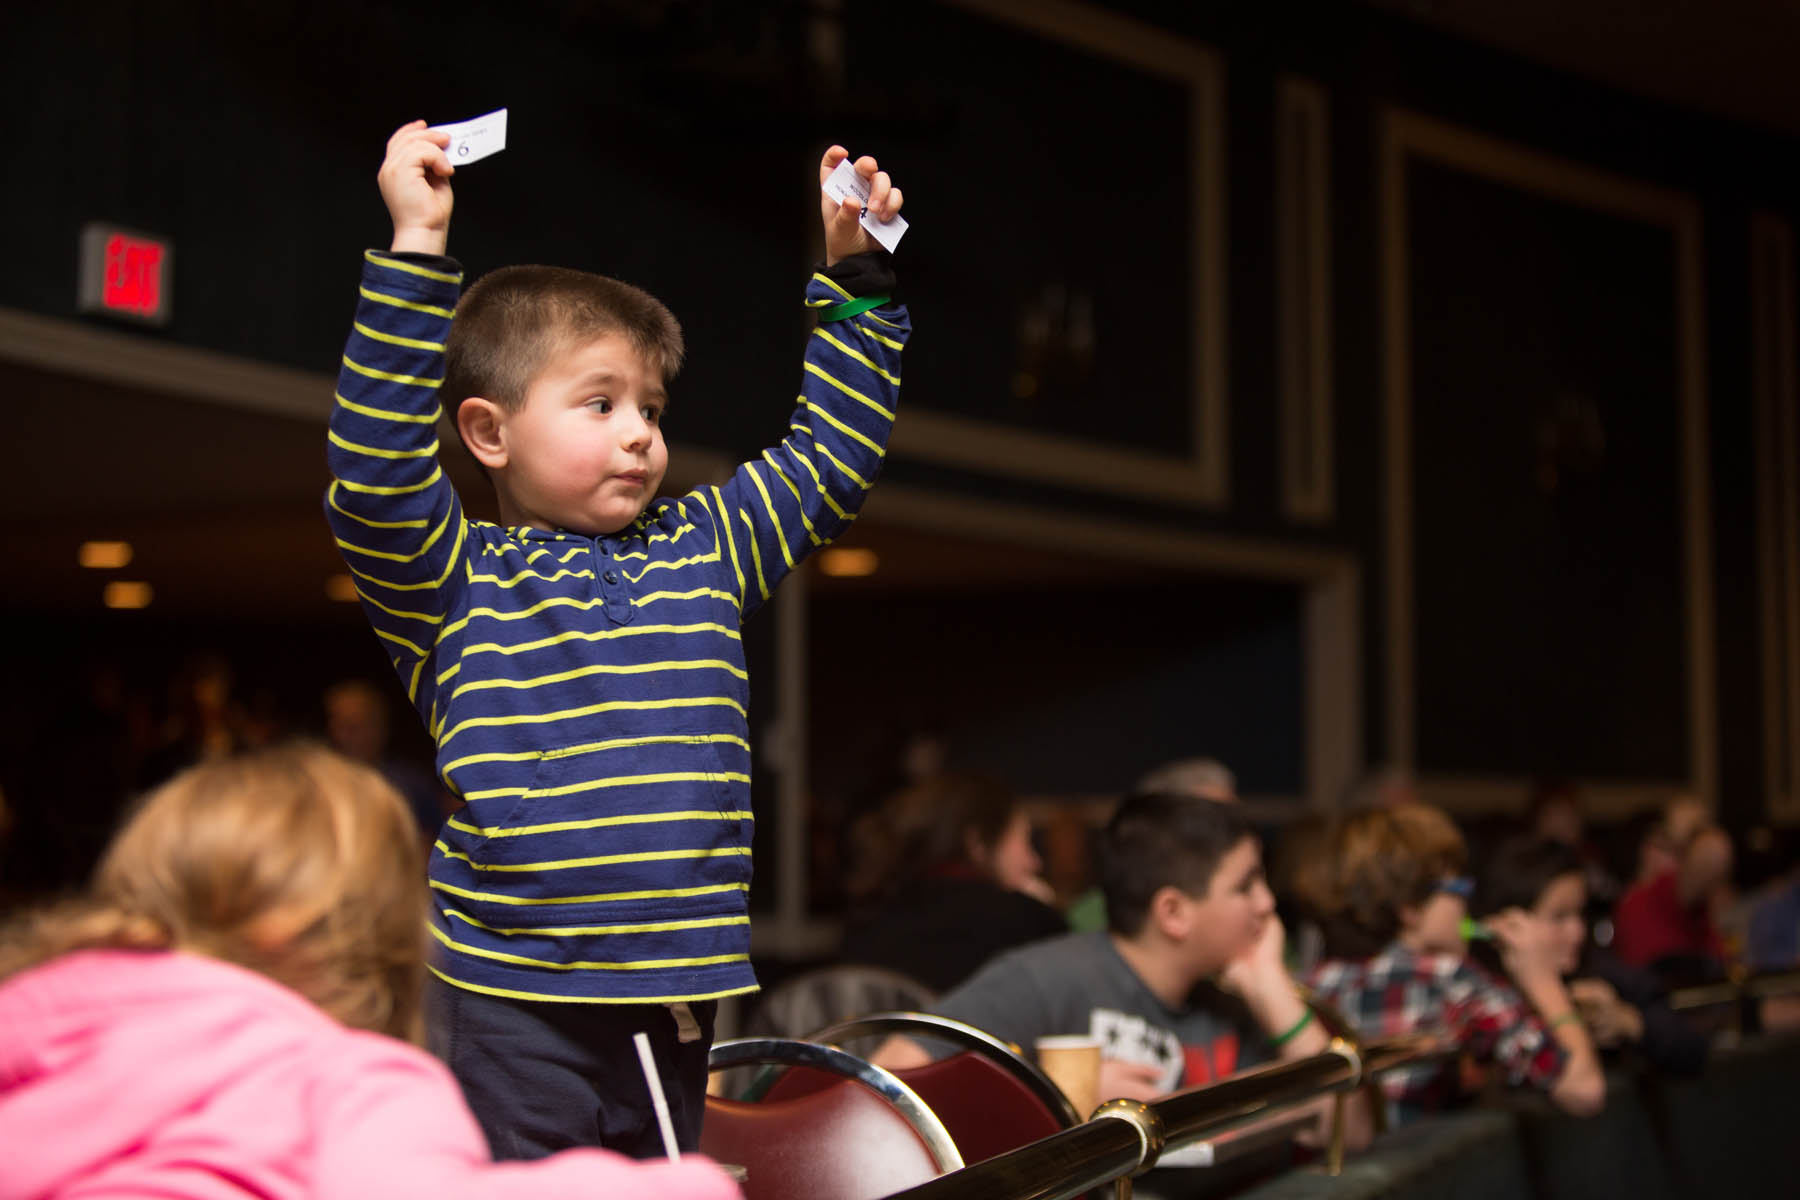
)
(991, 1098)
(859, 1135)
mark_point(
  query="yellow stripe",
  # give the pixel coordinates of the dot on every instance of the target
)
(529, 574)
(571, 554)
(394, 339)
(818, 483)
(512, 994)
(415, 556)
(798, 501)
(609, 822)
(600, 930)
(400, 641)
(708, 889)
(384, 414)
(815, 369)
(410, 305)
(787, 555)
(591, 710)
(645, 964)
(842, 428)
(370, 489)
(884, 340)
(833, 284)
(590, 747)
(391, 377)
(428, 618)
(755, 554)
(673, 564)
(858, 355)
(598, 860)
(693, 664)
(378, 452)
(843, 466)
(597, 636)
(399, 264)
(879, 321)
(331, 499)
(722, 520)
(412, 687)
(671, 537)
(712, 593)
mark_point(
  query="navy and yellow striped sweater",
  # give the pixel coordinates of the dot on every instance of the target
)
(587, 694)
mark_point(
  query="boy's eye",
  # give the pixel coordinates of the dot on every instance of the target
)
(602, 403)
(652, 414)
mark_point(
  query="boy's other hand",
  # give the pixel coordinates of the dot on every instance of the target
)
(415, 183)
(1133, 1081)
(844, 234)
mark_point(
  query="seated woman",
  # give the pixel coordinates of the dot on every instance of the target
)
(1388, 890)
(947, 878)
(228, 1012)
(1623, 1007)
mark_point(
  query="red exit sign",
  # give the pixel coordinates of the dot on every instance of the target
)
(125, 274)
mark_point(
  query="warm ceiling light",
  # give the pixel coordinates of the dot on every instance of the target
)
(126, 593)
(342, 588)
(848, 562)
(104, 556)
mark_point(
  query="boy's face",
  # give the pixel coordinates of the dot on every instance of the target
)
(585, 452)
(1227, 921)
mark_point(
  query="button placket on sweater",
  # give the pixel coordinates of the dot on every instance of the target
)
(610, 584)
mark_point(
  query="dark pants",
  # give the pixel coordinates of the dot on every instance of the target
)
(542, 1077)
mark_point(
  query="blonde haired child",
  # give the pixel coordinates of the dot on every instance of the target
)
(222, 1013)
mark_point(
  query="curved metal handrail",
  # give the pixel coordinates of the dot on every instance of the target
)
(786, 1052)
(965, 1036)
(1126, 1137)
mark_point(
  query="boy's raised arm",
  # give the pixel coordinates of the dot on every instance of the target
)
(806, 491)
(394, 515)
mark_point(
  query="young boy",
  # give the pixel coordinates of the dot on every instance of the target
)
(1186, 987)
(1389, 890)
(579, 665)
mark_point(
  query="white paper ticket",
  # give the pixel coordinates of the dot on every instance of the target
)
(476, 138)
(845, 184)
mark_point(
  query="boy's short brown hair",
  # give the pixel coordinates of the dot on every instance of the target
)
(510, 323)
(1377, 862)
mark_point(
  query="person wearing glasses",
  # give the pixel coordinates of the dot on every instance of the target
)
(1389, 892)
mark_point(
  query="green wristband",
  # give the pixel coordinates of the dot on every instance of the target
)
(851, 308)
(1282, 1039)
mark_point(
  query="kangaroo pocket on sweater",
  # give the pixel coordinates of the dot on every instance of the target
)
(597, 834)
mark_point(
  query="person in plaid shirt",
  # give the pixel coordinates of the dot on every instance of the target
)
(1390, 894)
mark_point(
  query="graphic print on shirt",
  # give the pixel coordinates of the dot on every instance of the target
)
(1129, 1038)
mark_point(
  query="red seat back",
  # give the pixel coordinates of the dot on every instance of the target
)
(986, 1109)
(837, 1142)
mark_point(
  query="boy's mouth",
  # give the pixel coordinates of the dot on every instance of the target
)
(634, 478)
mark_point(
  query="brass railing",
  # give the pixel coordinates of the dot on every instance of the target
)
(1125, 1138)
(1735, 990)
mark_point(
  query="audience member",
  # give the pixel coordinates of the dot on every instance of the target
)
(1624, 1007)
(357, 726)
(1555, 814)
(1665, 919)
(1772, 943)
(1188, 985)
(946, 879)
(222, 1014)
(1205, 778)
(1391, 897)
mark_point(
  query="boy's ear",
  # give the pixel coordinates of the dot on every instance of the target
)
(479, 422)
(1169, 912)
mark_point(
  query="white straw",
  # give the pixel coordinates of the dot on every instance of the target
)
(656, 1097)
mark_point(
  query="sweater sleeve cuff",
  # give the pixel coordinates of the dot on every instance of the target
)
(870, 274)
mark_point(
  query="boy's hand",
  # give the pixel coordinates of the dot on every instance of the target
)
(415, 183)
(844, 234)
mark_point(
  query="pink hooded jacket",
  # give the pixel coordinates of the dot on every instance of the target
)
(171, 1075)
